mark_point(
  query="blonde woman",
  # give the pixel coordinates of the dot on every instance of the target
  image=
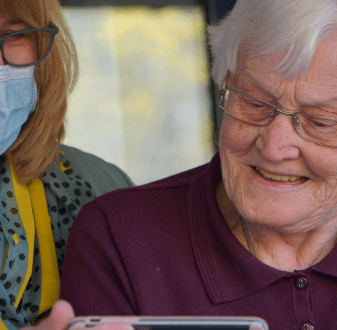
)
(43, 184)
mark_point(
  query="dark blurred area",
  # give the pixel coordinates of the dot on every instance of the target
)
(150, 3)
(214, 11)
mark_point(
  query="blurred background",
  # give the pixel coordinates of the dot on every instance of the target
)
(145, 101)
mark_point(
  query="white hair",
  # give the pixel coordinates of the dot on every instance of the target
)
(261, 27)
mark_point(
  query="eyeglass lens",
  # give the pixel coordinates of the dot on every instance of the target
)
(26, 48)
(313, 127)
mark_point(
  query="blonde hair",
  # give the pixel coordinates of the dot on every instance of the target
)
(260, 27)
(37, 145)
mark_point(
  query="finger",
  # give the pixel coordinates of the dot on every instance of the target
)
(255, 327)
(62, 313)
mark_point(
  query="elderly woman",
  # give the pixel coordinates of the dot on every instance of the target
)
(253, 232)
(43, 184)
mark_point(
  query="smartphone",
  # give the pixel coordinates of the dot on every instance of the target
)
(174, 323)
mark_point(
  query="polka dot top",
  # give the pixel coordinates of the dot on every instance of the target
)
(74, 180)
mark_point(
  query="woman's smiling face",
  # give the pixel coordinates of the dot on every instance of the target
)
(278, 150)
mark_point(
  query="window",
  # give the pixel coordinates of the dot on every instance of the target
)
(143, 100)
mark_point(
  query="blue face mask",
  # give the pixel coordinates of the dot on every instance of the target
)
(18, 99)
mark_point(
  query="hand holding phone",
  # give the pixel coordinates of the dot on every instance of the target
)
(61, 314)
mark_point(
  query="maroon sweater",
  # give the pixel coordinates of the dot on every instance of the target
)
(165, 249)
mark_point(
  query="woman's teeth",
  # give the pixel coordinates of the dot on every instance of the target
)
(283, 178)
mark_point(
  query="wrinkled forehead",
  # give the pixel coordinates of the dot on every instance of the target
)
(320, 80)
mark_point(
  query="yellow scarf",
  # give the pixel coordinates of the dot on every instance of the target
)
(33, 210)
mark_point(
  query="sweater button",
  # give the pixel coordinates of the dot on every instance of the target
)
(301, 283)
(306, 326)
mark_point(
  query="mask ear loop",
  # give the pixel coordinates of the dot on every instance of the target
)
(35, 91)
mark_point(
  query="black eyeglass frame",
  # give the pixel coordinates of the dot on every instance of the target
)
(273, 114)
(53, 31)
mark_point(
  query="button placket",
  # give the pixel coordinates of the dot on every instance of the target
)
(301, 293)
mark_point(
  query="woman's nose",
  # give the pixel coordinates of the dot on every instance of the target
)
(279, 141)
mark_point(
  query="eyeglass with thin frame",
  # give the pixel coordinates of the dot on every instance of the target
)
(17, 46)
(310, 126)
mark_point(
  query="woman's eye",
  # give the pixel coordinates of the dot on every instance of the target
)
(317, 123)
(14, 37)
(7, 33)
(256, 105)
(17, 38)
(253, 104)
(322, 123)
